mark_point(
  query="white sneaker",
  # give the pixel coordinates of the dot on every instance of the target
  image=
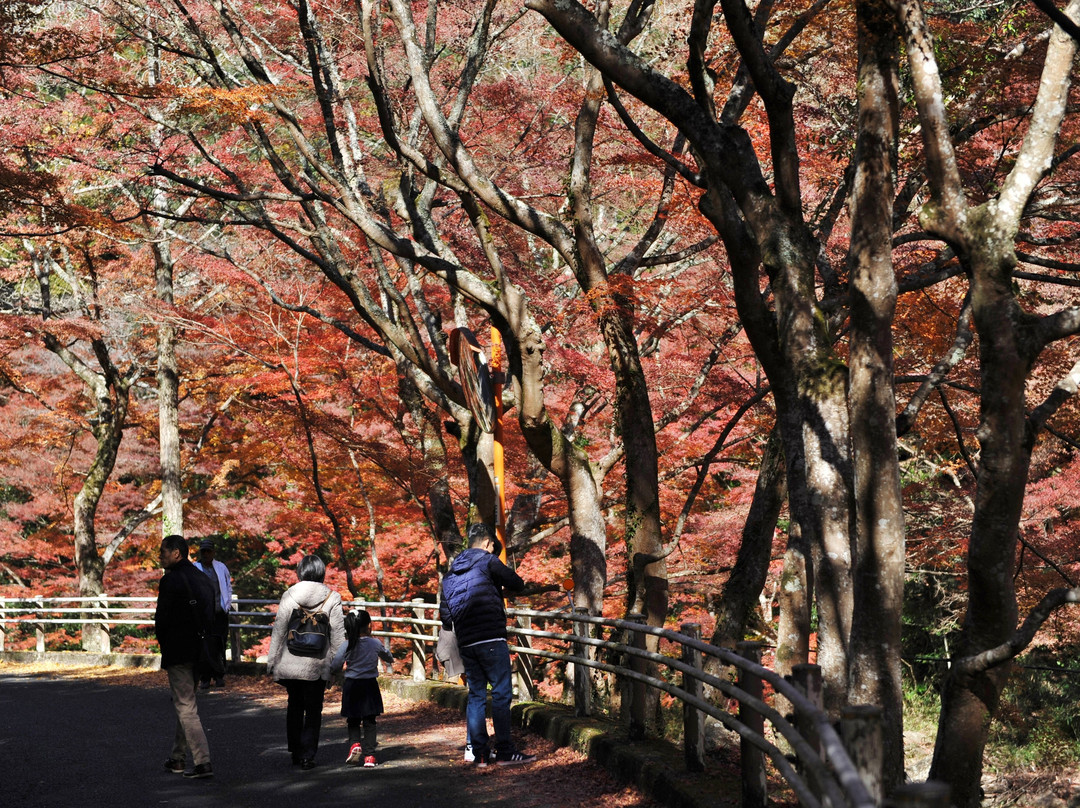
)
(469, 756)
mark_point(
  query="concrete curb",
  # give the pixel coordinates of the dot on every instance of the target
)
(83, 659)
(658, 769)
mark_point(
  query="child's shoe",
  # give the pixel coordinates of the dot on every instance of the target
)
(369, 762)
(354, 755)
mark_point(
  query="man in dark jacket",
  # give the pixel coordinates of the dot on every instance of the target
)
(185, 607)
(472, 605)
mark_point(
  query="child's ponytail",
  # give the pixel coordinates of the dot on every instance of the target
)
(352, 628)
(357, 623)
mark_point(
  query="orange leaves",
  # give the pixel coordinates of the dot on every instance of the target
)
(615, 296)
(238, 106)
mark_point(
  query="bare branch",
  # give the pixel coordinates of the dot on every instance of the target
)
(1062, 392)
(1054, 599)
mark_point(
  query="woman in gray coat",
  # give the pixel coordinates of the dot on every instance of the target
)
(304, 677)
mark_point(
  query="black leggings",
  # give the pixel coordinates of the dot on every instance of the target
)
(364, 732)
(303, 719)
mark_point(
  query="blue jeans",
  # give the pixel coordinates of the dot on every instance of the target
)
(488, 663)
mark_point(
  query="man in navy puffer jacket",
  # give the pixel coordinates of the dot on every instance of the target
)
(472, 605)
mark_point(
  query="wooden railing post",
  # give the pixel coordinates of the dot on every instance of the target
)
(236, 653)
(419, 653)
(693, 718)
(3, 622)
(635, 691)
(39, 627)
(582, 676)
(808, 679)
(861, 733)
(931, 794)
(106, 633)
(754, 782)
(523, 664)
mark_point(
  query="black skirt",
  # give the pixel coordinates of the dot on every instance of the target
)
(361, 698)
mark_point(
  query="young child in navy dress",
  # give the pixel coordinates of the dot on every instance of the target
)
(361, 700)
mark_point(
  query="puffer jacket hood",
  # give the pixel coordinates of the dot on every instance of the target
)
(310, 594)
(468, 559)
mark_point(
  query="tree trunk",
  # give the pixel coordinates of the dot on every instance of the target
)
(1010, 340)
(168, 369)
(588, 530)
(740, 594)
(647, 584)
(108, 431)
(874, 660)
(168, 382)
(968, 703)
(432, 485)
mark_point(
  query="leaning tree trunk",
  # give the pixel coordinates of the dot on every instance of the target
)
(432, 484)
(740, 594)
(108, 431)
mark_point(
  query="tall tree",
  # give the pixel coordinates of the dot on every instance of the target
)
(760, 227)
(874, 668)
(1011, 338)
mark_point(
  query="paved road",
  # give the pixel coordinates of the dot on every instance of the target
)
(81, 743)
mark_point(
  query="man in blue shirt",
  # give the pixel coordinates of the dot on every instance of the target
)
(220, 579)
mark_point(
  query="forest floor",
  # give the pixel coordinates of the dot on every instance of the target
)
(1005, 783)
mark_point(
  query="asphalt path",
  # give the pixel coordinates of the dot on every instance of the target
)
(80, 743)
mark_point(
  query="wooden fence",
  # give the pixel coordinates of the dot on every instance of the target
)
(826, 766)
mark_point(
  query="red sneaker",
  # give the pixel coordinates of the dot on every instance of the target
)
(369, 762)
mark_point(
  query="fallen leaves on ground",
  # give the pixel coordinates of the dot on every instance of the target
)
(560, 777)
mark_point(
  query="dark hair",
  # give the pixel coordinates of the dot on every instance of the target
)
(480, 533)
(357, 622)
(311, 568)
(175, 542)
(363, 619)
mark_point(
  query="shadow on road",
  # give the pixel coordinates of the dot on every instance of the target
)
(68, 743)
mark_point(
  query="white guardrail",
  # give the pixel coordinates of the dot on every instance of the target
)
(824, 766)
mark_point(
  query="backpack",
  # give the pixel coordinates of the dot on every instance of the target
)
(309, 631)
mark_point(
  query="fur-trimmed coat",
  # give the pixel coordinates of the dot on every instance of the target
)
(283, 665)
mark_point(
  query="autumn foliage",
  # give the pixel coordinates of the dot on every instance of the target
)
(334, 187)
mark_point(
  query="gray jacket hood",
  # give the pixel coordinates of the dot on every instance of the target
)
(310, 594)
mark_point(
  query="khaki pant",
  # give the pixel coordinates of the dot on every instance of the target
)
(189, 729)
